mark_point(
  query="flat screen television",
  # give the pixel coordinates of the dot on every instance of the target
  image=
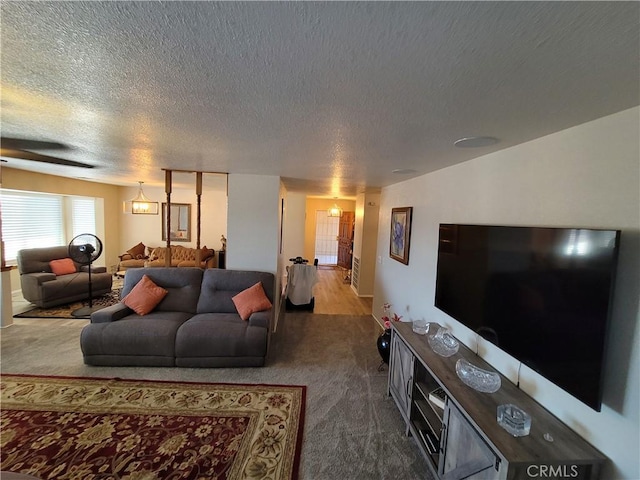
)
(543, 295)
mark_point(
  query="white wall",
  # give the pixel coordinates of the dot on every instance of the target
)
(254, 227)
(586, 176)
(365, 241)
(293, 228)
(253, 222)
(148, 228)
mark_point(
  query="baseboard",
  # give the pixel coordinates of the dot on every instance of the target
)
(356, 292)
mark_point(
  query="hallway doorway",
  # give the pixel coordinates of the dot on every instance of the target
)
(326, 242)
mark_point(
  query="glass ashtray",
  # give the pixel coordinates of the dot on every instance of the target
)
(443, 343)
(477, 378)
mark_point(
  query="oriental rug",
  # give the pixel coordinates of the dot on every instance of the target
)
(91, 428)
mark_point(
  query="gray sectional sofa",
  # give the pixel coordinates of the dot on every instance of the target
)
(195, 325)
(45, 289)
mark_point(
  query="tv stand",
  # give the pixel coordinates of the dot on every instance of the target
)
(455, 426)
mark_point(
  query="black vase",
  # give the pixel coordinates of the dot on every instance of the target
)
(384, 345)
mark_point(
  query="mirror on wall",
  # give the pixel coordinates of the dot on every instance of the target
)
(180, 222)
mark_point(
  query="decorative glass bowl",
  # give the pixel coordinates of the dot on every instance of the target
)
(421, 327)
(477, 378)
(514, 420)
(443, 343)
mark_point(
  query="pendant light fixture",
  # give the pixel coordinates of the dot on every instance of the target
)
(142, 205)
(334, 211)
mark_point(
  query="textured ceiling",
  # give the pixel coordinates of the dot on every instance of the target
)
(332, 96)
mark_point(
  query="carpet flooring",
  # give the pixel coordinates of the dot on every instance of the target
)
(353, 430)
(62, 427)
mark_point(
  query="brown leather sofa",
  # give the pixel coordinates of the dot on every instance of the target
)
(180, 257)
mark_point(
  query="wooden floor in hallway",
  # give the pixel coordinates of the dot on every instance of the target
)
(333, 295)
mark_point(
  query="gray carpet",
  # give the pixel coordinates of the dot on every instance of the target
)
(352, 428)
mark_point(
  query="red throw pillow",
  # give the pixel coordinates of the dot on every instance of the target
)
(64, 266)
(145, 296)
(251, 300)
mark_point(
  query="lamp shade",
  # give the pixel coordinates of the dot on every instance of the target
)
(142, 205)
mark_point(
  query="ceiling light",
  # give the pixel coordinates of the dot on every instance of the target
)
(334, 211)
(142, 205)
(473, 142)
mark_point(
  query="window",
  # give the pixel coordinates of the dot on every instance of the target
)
(35, 220)
(83, 216)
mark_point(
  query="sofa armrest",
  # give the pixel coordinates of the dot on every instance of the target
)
(37, 278)
(111, 314)
(85, 268)
(261, 319)
(125, 256)
(31, 285)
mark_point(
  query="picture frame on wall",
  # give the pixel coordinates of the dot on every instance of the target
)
(180, 222)
(400, 237)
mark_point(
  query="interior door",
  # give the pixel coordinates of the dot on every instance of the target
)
(345, 239)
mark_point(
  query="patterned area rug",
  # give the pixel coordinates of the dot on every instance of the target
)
(65, 311)
(86, 428)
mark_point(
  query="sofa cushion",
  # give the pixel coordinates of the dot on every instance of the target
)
(182, 284)
(137, 251)
(250, 300)
(62, 266)
(145, 296)
(161, 263)
(134, 335)
(178, 252)
(220, 335)
(31, 260)
(219, 286)
(132, 263)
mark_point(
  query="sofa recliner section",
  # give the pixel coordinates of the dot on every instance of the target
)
(45, 289)
(195, 325)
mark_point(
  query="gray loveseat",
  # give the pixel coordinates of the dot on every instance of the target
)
(43, 288)
(195, 325)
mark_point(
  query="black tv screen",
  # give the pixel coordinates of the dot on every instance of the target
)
(543, 295)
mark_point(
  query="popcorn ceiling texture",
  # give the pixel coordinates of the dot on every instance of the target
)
(318, 92)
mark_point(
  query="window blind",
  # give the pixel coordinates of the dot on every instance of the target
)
(83, 215)
(30, 220)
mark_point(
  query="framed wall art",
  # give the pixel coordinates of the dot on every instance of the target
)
(400, 234)
(180, 222)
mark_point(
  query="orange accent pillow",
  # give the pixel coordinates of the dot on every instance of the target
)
(145, 296)
(64, 266)
(251, 300)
